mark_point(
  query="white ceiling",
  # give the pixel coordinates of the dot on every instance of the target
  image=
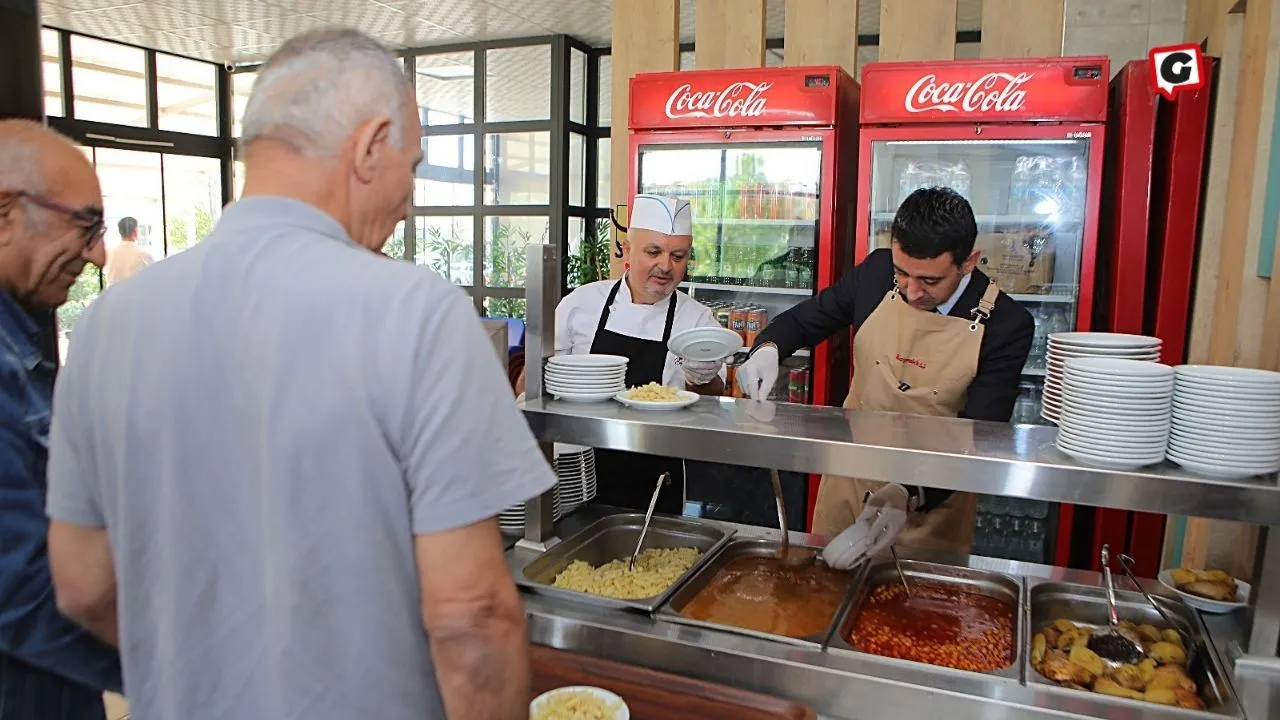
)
(242, 31)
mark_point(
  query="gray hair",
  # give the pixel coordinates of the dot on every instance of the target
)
(319, 86)
(21, 166)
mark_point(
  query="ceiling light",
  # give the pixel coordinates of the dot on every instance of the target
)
(448, 72)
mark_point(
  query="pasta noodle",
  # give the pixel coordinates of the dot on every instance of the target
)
(656, 570)
(576, 705)
(653, 392)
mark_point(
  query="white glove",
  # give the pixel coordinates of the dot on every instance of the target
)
(699, 372)
(757, 375)
(882, 519)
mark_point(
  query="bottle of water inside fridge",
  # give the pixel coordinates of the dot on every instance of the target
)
(910, 179)
(1018, 183)
(958, 178)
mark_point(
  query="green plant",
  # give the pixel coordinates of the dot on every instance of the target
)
(591, 262)
(446, 249)
(176, 233)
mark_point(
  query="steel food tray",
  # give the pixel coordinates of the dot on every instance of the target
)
(614, 537)
(988, 583)
(1087, 605)
(741, 547)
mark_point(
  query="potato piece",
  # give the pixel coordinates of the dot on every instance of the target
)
(1173, 636)
(1171, 677)
(1147, 668)
(1128, 625)
(1064, 625)
(1162, 696)
(1087, 659)
(1182, 576)
(1221, 592)
(1188, 699)
(1051, 635)
(1149, 633)
(1167, 653)
(1216, 576)
(1129, 677)
(1038, 647)
(1073, 637)
(1059, 668)
(1107, 686)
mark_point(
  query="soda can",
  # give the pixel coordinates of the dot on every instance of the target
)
(798, 385)
(738, 321)
(757, 318)
(722, 315)
(730, 381)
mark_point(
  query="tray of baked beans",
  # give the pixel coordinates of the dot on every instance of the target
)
(949, 617)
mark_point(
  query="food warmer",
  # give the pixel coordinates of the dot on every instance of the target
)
(1237, 670)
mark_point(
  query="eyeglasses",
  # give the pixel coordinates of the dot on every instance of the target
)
(90, 219)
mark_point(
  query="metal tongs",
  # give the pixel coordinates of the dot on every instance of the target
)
(1188, 641)
(663, 479)
(901, 575)
(1115, 645)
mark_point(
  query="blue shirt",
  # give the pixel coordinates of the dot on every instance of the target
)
(263, 423)
(31, 628)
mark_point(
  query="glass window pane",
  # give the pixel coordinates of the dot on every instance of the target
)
(395, 244)
(446, 245)
(241, 86)
(604, 161)
(109, 82)
(192, 200)
(86, 289)
(773, 58)
(577, 170)
(505, 243)
(518, 84)
(606, 90)
(446, 88)
(517, 169)
(577, 86)
(131, 188)
(187, 95)
(495, 307)
(51, 56)
(446, 175)
(688, 60)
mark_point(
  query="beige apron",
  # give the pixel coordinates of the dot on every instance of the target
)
(915, 362)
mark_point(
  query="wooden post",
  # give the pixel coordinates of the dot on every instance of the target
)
(1022, 28)
(646, 38)
(917, 30)
(822, 32)
(729, 34)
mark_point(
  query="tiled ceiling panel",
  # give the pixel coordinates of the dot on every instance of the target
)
(243, 31)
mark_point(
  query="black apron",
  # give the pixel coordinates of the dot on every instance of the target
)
(627, 479)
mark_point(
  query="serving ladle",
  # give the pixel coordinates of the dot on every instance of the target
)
(663, 479)
(785, 556)
(1114, 645)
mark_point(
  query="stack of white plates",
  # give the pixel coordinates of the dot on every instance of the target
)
(1064, 346)
(576, 469)
(1226, 421)
(511, 520)
(586, 378)
(1115, 412)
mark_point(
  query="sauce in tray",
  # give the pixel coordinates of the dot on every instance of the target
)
(759, 593)
(939, 625)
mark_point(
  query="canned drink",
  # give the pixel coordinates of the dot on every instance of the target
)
(730, 381)
(798, 385)
(738, 321)
(722, 316)
(757, 318)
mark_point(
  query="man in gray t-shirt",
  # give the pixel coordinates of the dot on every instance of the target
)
(276, 458)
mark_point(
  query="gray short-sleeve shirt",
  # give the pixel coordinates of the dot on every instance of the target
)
(263, 423)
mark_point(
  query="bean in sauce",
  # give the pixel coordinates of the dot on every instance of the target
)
(938, 625)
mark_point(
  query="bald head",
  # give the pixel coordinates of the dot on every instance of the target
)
(50, 214)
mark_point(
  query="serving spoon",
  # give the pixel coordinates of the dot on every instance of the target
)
(1114, 645)
(785, 556)
(663, 479)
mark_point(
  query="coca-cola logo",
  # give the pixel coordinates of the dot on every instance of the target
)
(740, 99)
(993, 92)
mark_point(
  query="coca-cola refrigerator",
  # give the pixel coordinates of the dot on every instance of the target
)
(1023, 140)
(767, 159)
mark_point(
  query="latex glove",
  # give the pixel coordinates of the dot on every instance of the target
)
(875, 530)
(757, 375)
(699, 372)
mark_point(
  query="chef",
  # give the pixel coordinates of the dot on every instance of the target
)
(933, 336)
(634, 316)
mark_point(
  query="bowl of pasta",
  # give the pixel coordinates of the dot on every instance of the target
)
(578, 702)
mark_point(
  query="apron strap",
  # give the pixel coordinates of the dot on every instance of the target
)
(986, 304)
(671, 318)
(608, 303)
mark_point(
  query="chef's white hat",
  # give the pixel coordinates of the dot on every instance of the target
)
(669, 216)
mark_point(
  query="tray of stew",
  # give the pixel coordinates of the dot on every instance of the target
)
(949, 617)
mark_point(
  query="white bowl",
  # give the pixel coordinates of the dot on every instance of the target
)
(622, 713)
(1210, 606)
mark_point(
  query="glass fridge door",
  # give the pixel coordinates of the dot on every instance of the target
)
(755, 229)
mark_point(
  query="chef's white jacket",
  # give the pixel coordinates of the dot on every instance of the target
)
(578, 314)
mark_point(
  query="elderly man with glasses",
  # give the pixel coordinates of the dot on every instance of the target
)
(50, 227)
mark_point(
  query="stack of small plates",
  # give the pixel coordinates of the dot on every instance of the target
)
(1064, 346)
(586, 378)
(576, 469)
(1115, 412)
(511, 520)
(1226, 421)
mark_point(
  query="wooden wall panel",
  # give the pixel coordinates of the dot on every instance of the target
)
(822, 32)
(1022, 28)
(729, 34)
(646, 38)
(1206, 22)
(917, 30)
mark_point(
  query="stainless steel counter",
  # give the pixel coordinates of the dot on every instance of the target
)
(984, 457)
(854, 687)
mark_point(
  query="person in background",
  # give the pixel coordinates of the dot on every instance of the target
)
(126, 258)
(934, 336)
(50, 227)
(295, 491)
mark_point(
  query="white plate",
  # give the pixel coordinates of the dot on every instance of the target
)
(589, 361)
(1109, 461)
(583, 397)
(687, 398)
(705, 344)
(1243, 376)
(1210, 606)
(1135, 429)
(1119, 367)
(1211, 431)
(623, 712)
(610, 375)
(585, 387)
(1105, 340)
(1234, 388)
(1214, 468)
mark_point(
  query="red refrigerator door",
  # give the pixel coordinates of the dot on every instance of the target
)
(1035, 192)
